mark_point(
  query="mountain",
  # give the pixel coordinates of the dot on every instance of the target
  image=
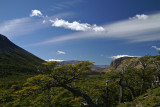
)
(101, 66)
(15, 59)
(76, 61)
(95, 68)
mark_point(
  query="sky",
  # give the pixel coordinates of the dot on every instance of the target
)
(95, 30)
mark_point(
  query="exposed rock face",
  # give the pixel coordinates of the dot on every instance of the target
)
(119, 61)
(117, 64)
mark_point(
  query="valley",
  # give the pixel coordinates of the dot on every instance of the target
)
(26, 80)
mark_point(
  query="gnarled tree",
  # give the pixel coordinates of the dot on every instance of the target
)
(61, 76)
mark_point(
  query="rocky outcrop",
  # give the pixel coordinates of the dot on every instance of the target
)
(117, 64)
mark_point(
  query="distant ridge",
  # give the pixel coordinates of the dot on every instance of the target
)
(76, 61)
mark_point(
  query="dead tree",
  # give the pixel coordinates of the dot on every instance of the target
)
(123, 82)
(156, 81)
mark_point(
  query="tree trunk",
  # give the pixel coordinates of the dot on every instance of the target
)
(106, 99)
(132, 92)
(121, 94)
(142, 87)
(81, 94)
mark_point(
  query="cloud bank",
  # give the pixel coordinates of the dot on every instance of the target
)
(120, 56)
(76, 25)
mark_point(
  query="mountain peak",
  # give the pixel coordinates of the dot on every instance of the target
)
(6, 44)
(3, 38)
(11, 54)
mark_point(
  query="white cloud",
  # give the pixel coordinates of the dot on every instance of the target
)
(54, 60)
(120, 56)
(155, 47)
(97, 28)
(44, 21)
(76, 25)
(140, 17)
(61, 52)
(36, 13)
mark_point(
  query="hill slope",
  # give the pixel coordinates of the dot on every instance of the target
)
(13, 58)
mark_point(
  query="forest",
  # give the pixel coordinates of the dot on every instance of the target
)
(136, 83)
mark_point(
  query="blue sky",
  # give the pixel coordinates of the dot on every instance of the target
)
(95, 30)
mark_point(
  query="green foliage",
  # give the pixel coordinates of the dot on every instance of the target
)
(47, 85)
(9, 85)
(149, 99)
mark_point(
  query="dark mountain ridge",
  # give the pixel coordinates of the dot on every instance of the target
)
(13, 58)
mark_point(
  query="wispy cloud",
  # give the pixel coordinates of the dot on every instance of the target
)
(76, 25)
(101, 55)
(57, 60)
(120, 56)
(61, 52)
(65, 4)
(64, 38)
(134, 30)
(21, 26)
(155, 47)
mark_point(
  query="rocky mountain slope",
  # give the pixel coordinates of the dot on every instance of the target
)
(117, 64)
